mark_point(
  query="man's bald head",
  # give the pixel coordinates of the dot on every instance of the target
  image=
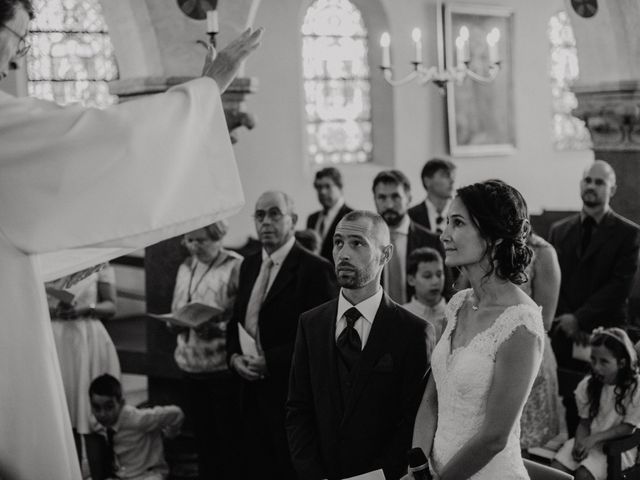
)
(378, 230)
(603, 168)
(597, 186)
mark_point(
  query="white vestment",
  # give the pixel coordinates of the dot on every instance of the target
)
(77, 187)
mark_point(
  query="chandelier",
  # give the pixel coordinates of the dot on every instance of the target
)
(440, 75)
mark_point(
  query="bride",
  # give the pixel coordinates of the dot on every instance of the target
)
(486, 361)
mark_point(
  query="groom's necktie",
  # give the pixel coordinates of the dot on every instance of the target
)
(349, 342)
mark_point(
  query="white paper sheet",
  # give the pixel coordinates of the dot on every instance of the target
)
(376, 475)
(247, 343)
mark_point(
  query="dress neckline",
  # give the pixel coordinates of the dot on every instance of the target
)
(454, 323)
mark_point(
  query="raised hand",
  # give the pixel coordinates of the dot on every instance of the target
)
(223, 66)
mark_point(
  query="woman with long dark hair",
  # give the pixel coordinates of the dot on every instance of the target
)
(489, 354)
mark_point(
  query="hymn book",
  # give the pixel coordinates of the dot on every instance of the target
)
(192, 315)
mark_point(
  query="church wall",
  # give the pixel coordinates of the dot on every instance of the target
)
(273, 154)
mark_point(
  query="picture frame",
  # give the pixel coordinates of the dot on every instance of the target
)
(480, 115)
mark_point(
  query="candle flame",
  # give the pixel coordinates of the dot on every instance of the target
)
(493, 36)
(464, 32)
(416, 34)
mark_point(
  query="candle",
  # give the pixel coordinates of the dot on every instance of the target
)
(385, 41)
(212, 21)
(465, 55)
(492, 41)
(416, 35)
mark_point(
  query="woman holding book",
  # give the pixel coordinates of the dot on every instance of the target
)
(84, 347)
(208, 276)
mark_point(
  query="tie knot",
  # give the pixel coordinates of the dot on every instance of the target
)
(267, 263)
(588, 222)
(352, 315)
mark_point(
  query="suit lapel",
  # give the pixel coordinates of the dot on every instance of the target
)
(378, 337)
(572, 239)
(251, 275)
(285, 274)
(332, 361)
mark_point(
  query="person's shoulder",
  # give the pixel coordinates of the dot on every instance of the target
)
(565, 222)
(417, 208)
(422, 232)
(310, 259)
(318, 316)
(623, 222)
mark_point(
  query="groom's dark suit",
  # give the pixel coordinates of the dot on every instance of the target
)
(343, 424)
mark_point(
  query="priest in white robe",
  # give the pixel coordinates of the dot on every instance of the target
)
(80, 186)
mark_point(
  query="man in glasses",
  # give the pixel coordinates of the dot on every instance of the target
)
(78, 187)
(276, 285)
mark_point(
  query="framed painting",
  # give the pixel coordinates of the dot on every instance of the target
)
(480, 113)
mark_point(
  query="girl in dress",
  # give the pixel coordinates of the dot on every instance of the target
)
(85, 349)
(486, 361)
(608, 405)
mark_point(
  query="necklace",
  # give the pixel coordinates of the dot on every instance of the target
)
(474, 306)
(193, 272)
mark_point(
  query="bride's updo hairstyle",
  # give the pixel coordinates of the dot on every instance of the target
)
(500, 214)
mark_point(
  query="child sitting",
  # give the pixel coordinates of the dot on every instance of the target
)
(425, 273)
(608, 404)
(134, 435)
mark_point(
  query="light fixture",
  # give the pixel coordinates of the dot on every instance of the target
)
(439, 74)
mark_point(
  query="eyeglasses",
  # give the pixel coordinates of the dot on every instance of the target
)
(23, 45)
(274, 214)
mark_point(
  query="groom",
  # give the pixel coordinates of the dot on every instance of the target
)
(359, 366)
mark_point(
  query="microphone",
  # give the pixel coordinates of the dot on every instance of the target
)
(418, 465)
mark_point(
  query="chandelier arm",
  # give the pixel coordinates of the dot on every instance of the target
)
(388, 76)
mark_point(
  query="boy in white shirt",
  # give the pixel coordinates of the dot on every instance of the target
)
(425, 273)
(134, 435)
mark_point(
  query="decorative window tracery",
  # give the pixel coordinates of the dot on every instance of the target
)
(71, 57)
(337, 89)
(569, 132)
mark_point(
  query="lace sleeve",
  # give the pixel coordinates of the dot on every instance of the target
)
(520, 316)
(455, 303)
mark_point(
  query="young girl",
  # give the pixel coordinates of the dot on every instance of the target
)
(608, 404)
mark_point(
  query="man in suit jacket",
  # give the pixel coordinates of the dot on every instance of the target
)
(392, 195)
(438, 177)
(328, 185)
(275, 287)
(359, 367)
(598, 254)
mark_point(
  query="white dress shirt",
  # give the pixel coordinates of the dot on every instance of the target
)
(277, 257)
(432, 211)
(367, 308)
(326, 219)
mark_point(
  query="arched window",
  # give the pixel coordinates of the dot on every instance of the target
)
(71, 56)
(336, 83)
(569, 132)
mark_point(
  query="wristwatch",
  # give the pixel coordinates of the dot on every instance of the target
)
(92, 310)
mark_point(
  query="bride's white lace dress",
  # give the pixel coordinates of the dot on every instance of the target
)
(463, 379)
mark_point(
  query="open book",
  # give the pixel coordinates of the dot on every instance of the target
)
(192, 315)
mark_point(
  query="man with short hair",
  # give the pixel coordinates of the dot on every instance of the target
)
(438, 177)
(328, 185)
(275, 286)
(359, 367)
(392, 195)
(598, 255)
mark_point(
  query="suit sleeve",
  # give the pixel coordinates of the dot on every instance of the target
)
(414, 380)
(302, 433)
(615, 292)
(233, 338)
(315, 288)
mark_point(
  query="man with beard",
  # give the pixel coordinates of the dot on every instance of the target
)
(392, 196)
(275, 286)
(598, 254)
(359, 366)
(438, 176)
(328, 185)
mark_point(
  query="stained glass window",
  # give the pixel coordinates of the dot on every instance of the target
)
(71, 57)
(336, 83)
(569, 132)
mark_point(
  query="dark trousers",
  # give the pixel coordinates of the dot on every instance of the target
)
(214, 411)
(570, 372)
(265, 447)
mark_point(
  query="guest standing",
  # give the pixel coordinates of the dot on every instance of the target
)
(209, 276)
(488, 357)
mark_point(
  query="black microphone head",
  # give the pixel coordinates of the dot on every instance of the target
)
(416, 458)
